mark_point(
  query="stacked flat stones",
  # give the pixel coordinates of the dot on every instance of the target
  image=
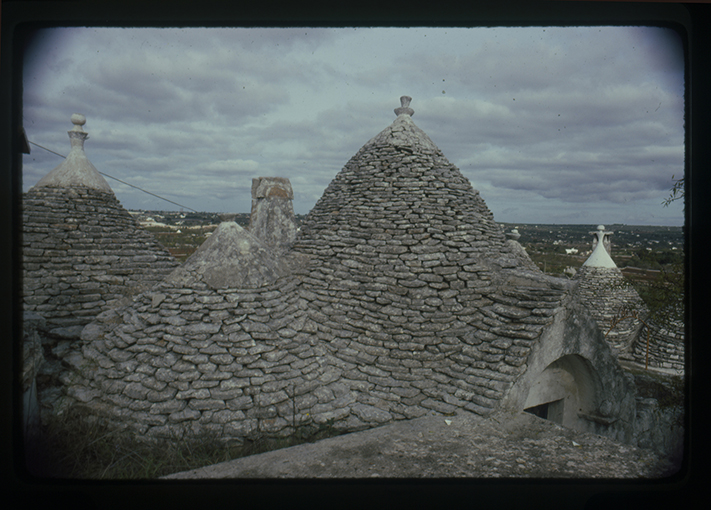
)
(407, 299)
(409, 280)
(82, 251)
(608, 296)
(666, 345)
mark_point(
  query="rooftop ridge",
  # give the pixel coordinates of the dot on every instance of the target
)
(76, 169)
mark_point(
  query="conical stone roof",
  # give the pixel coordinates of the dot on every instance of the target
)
(609, 297)
(82, 251)
(398, 191)
(76, 169)
(411, 272)
(404, 297)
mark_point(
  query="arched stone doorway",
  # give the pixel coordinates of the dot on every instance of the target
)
(565, 392)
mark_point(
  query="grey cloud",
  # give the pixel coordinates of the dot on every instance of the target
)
(221, 106)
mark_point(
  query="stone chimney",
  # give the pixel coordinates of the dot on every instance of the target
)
(272, 218)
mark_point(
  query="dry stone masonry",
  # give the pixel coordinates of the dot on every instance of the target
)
(664, 348)
(400, 297)
(609, 297)
(82, 251)
(272, 218)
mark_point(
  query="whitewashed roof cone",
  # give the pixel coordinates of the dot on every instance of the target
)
(76, 169)
(599, 257)
(605, 292)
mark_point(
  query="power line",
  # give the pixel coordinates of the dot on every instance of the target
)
(119, 180)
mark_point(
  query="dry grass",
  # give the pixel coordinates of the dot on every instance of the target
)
(74, 447)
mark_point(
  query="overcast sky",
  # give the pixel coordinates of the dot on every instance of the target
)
(551, 125)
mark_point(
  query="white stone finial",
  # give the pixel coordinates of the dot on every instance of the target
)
(600, 234)
(76, 169)
(405, 107)
(600, 256)
(77, 135)
(78, 120)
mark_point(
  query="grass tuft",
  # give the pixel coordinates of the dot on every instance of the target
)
(76, 446)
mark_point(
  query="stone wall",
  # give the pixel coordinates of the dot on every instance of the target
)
(659, 423)
(83, 253)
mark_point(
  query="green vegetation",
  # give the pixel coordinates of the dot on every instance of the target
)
(663, 295)
(655, 259)
(555, 263)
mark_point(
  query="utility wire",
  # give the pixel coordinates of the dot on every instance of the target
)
(119, 180)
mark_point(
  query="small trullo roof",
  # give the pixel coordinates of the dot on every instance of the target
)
(230, 257)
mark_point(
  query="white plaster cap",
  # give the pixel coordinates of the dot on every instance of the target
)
(599, 257)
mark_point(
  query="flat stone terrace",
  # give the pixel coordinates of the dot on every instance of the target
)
(82, 253)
